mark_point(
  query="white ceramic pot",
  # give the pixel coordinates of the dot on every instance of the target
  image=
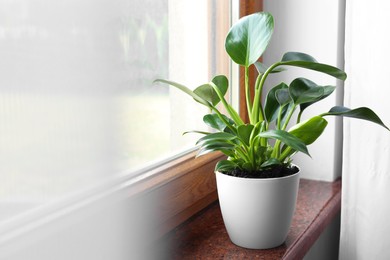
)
(257, 212)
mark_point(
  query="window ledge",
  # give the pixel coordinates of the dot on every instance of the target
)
(204, 235)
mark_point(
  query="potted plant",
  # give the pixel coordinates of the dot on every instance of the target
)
(257, 182)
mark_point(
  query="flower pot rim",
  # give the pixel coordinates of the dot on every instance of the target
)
(261, 179)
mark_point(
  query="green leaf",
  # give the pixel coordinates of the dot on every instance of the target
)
(234, 114)
(222, 82)
(270, 162)
(306, 61)
(283, 96)
(286, 138)
(249, 37)
(309, 130)
(216, 146)
(217, 137)
(244, 132)
(261, 68)
(196, 132)
(208, 93)
(298, 56)
(363, 113)
(215, 122)
(225, 166)
(271, 107)
(327, 91)
(185, 90)
(286, 111)
(305, 91)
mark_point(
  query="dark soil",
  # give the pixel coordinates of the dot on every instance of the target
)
(274, 172)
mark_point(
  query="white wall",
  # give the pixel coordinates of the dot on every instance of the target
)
(313, 27)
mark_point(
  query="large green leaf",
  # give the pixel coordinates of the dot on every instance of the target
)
(309, 130)
(286, 138)
(327, 91)
(305, 91)
(244, 132)
(360, 113)
(249, 37)
(271, 107)
(215, 122)
(306, 61)
(185, 90)
(208, 93)
(283, 96)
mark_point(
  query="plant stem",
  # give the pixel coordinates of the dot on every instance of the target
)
(276, 151)
(248, 95)
(259, 89)
(223, 119)
(289, 117)
(233, 115)
(257, 109)
(279, 117)
(299, 117)
(243, 153)
(285, 154)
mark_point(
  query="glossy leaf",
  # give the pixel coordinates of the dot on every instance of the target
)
(225, 165)
(298, 56)
(185, 90)
(208, 93)
(215, 146)
(217, 136)
(222, 83)
(305, 91)
(244, 132)
(213, 121)
(286, 111)
(327, 91)
(271, 105)
(306, 61)
(286, 138)
(271, 162)
(249, 37)
(261, 68)
(283, 96)
(363, 113)
(309, 130)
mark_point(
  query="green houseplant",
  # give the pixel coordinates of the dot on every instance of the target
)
(262, 149)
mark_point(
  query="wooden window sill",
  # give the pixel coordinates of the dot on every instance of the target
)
(204, 236)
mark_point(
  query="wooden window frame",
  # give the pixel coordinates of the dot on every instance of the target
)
(187, 185)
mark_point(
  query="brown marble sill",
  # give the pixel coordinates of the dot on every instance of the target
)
(204, 235)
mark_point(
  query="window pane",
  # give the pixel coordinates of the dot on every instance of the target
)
(187, 54)
(77, 103)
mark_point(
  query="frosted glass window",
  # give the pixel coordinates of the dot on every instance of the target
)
(77, 103)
